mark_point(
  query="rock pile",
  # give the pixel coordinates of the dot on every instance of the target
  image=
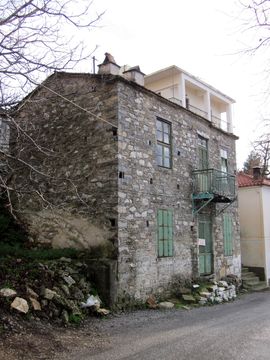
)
(217, 293)
(57, 290)
(214, 292)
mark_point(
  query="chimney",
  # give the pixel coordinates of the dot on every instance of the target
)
(256, 172)
(134, 74)
(109, 66)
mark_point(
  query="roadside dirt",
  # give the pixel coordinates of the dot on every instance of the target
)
(31, 340)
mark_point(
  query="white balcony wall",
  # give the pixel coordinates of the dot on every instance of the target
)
(169, 87)
(221, 113)
(217, 106)
(197, 102)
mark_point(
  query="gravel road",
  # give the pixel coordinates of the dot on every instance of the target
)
(237, 330)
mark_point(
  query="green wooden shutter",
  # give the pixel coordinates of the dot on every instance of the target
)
(227, 234)
(165, 233)
(170, 232)
(160, 233)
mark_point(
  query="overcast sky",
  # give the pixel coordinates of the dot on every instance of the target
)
(204, 38)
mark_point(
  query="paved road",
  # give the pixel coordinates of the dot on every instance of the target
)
(238, 330)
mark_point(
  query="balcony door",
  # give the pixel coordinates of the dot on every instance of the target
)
(205, 244)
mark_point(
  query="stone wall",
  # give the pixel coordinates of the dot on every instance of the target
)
(70, 199)
(147, 187)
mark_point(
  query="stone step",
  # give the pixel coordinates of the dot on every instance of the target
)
(251, 280)
(261, 285)
(248, 274)
(250, 277)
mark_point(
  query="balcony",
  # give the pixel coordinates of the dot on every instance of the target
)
(185, 89)
(216, 120)
(220, 123)
(175, 100)
(197, 111)
(211, 185)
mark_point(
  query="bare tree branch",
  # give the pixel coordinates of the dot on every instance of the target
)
(37, 38)
(34, 41)
(256, 18)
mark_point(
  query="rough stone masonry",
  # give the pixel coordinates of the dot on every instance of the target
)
(97, 183)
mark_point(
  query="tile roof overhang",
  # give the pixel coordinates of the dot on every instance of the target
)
(245, 180)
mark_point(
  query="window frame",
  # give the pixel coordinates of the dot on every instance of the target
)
(164, 143)
(165, 233)
(224, 160)
(203, 163)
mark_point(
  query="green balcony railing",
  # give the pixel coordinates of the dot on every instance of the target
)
(213, 183)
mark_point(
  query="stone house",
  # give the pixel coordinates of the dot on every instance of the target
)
(146, 182)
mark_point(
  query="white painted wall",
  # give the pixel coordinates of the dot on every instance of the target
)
(266, 220)
(251, 226)
(196, 98)
(168, 86)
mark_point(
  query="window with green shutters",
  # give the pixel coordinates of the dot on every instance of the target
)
(227, 235)
(165, 233)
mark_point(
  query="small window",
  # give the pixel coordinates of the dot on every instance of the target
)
(227, 235)
(203, 152)
(112, 222)
(165, 233)
(114, 131)
(163, 143)
(224, 160)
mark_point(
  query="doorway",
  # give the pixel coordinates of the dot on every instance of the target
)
(205, 244)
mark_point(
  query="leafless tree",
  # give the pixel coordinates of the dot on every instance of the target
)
(252, 160)
(262, 148)
(260, 154)
(37, 38)
(256, 20)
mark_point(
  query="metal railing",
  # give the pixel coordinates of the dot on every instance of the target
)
(216, 120)
(197, 111)
(214, 182)
(220, 123)
(176, 100)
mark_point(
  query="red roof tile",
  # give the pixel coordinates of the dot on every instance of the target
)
(248, 180)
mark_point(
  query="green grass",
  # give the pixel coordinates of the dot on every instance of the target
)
(75, 319)
(36, 254)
